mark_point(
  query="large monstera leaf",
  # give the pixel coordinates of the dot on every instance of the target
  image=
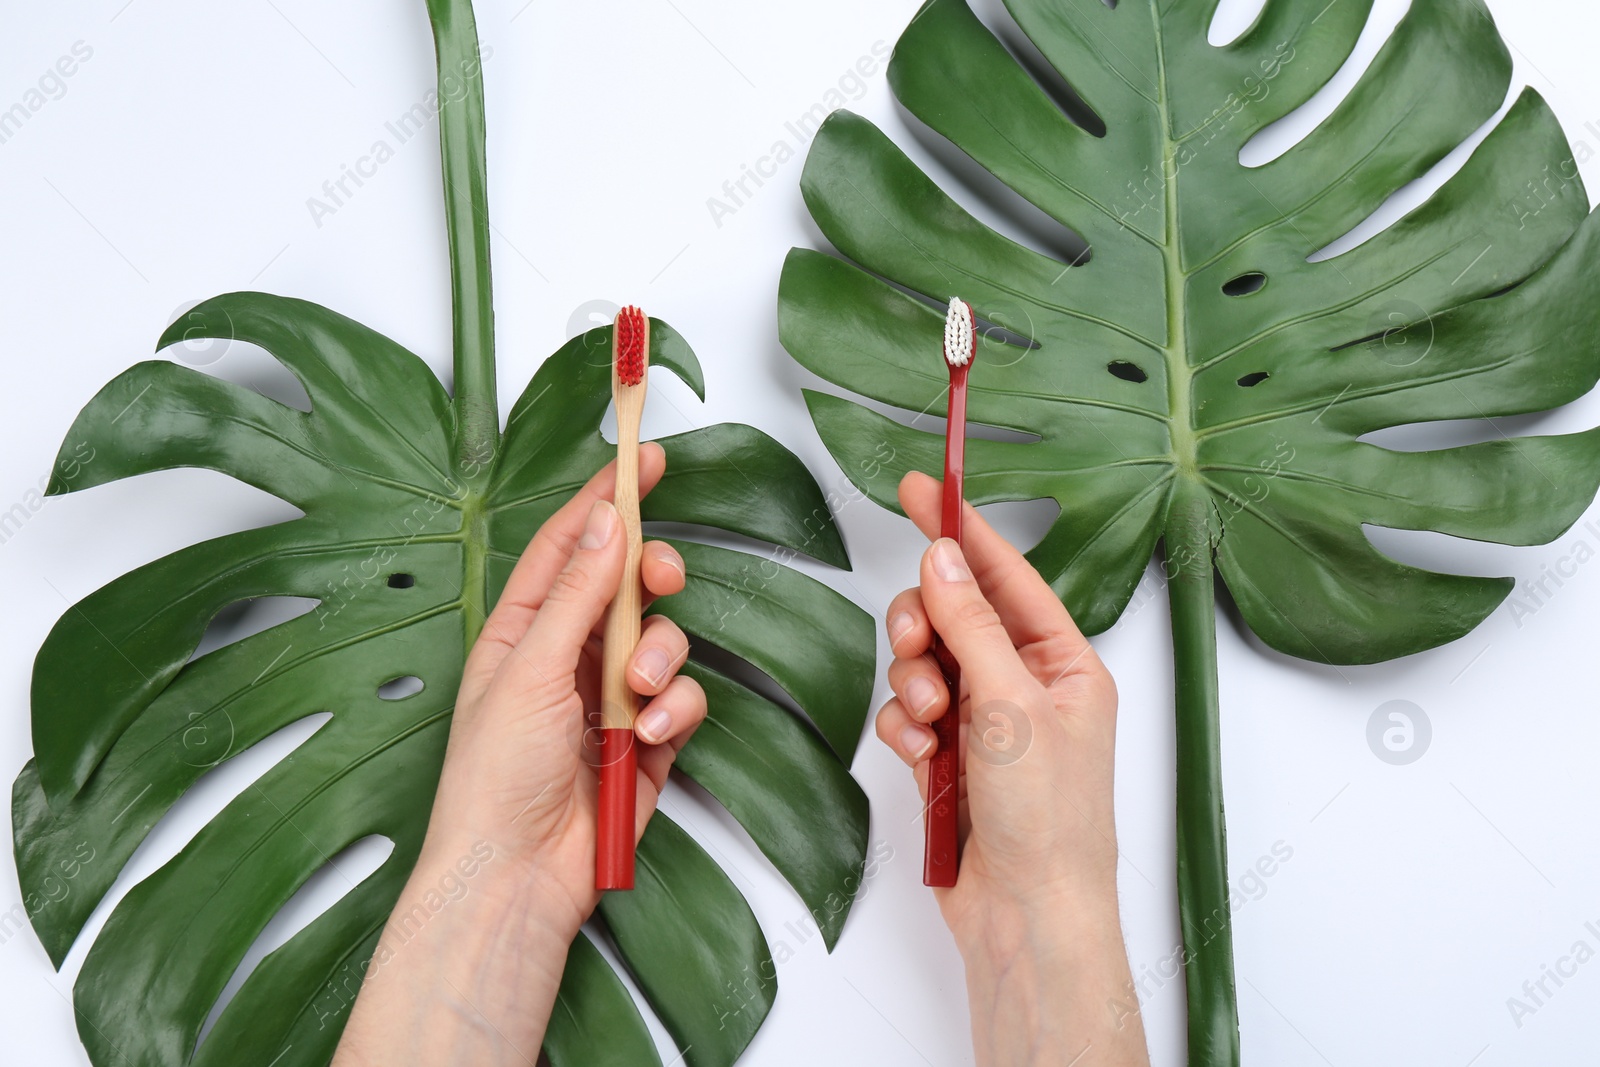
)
(402, 558)
(1199, 373)
(1148, 377)
(416, 504)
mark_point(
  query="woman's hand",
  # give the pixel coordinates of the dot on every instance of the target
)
(468, 967)
(530, 695)
(1034, 910)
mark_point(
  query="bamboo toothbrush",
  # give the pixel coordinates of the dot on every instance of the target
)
(619, 705)
(940, 859)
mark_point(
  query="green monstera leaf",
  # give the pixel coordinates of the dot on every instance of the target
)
(1200, 374)
(416, 505)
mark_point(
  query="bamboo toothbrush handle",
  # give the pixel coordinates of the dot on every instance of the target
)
(616, 830)
(618, 702)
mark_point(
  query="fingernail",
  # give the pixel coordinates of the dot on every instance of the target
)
(948, 563)
(673, 560)
(652, 665)
(601, 525)
(916, 740)
(920, 694)
(653, 725)
(899, 626)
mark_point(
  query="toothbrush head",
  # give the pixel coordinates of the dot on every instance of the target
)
(630, 345)
(960, 338)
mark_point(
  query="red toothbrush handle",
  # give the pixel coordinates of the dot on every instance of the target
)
(955, 457)
(615, 830)
(941, 856)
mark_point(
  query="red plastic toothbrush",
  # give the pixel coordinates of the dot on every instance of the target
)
(941, 859)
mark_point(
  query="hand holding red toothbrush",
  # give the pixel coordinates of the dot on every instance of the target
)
(1034, 911)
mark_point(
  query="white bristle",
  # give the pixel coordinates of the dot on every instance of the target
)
(958, 341)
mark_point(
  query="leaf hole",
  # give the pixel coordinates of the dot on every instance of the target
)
(1233, 19)
(1458, 433)
(752, 677)
(1421, 188)
(402, 581)
(1128, 372)
(1006, 210)
(240, 362)
(994, 333)
(348, 868)
(1044, 74)
(1367, 340)
(1250, 380)
(1276, 138)
(1024, 523)
(1245, 284)
(1403, 320)
(246, 618)
(408, 685)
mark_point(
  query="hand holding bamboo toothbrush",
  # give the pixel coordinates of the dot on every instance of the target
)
(941, 857)
(619, 706)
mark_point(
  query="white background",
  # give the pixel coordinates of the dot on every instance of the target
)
(178, 165)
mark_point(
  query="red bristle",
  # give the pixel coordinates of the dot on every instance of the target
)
(630, 346)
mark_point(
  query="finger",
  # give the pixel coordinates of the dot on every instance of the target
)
(1030, 609)
(554, 545)
(665, 726)
(969, 625)
(548, 652)
(673, 715)
(910, 633)
(920, 686)
(662, 569)
(661, 651)
(909, 740)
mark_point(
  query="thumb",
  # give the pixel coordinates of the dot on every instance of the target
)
(578, 597)
(969, 624)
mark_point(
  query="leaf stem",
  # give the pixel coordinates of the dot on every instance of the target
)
(466, 208)
(1202, 833)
